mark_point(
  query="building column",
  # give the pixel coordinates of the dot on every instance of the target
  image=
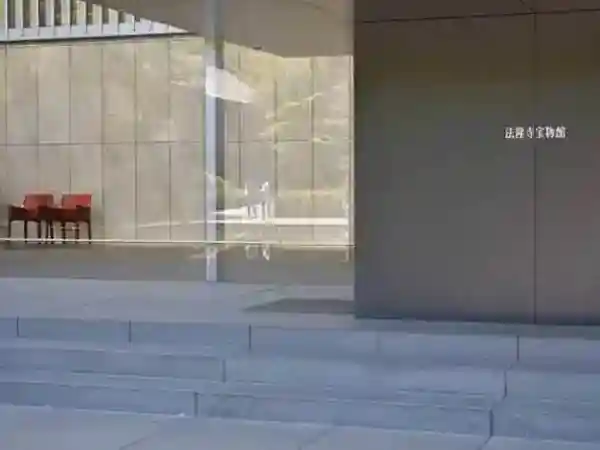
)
(214, 135)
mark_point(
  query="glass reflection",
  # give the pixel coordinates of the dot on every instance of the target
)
(124, 121)
(287, 176)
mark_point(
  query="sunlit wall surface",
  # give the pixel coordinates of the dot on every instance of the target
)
(125, 119)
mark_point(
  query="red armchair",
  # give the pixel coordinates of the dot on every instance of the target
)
(29, 212)
(76, 209)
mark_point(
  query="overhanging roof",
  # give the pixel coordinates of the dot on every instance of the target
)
(284, 27)
(318, 27)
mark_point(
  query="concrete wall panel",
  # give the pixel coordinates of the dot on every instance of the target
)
(153, 176)
(187, 191)
(186, 89)
(444, 204)
(86, 93)
(118, 75)
(119, 181)
(568, 181)
(152, 91)
(21, 95)
(53, 94)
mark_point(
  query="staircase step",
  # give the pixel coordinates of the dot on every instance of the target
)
(551, 420)
(553, 350)
(105, 358)
(401, 410)
(422, 411)
(367, 393)
(405, 342)
(559, 380)
(8, 328)
(178, 362)
(318, 341)
(411, 375)
(543, 396)
(540, 380)
(508, 443)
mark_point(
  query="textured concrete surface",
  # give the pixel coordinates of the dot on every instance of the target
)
(25, 428)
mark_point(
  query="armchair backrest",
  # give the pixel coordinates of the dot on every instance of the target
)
(75, 200)
(34, 201)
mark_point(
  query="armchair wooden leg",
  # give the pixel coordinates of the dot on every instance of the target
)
(77, 231)
(9, 233)
(50, 232)
(89, 227)
(63, 231)
(25, 230)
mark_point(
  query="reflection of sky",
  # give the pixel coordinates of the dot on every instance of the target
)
(222, 84)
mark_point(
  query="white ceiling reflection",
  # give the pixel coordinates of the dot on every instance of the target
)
(224, 85)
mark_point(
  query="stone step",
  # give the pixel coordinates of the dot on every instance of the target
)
(559, 381)
(511, 443)
(548, 420)
(368, 393)
(338, 342)
(451, 413)
(177, 362)
(404, 410)
(107, 358)
(538, 380)
(451, 342)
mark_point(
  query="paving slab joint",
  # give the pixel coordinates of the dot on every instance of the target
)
(505, 382)
(485, 443)
(250, 327)
(492, 420)
(196, 401)
(224, 370)
(378, 345)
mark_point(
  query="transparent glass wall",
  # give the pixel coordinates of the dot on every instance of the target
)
(192, 149)
(121, 120)
(288, 165)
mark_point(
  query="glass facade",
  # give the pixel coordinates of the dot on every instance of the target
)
(205, 158)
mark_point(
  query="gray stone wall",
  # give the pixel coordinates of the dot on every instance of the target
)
(455, 222)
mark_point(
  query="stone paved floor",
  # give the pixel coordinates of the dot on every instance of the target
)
(23, 428)
(172, 263)
(160, 301)
(200, 301)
